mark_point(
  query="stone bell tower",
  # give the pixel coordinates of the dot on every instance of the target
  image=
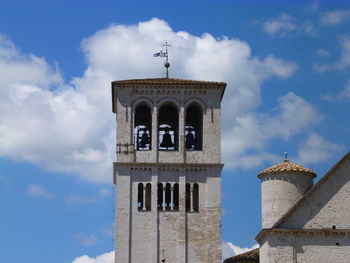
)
(168, 170)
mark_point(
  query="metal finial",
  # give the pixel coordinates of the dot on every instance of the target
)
(286, 157)
(166, 46)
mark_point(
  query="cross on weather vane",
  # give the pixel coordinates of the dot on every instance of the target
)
(166, 46)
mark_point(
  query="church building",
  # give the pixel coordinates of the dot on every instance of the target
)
(168, 180)
(303, 222)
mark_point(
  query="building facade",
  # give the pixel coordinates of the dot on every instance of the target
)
(302, 222)
(168, 170)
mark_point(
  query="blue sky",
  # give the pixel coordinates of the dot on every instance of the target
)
(286, 65)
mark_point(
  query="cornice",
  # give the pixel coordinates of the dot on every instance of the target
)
(322, 232)
(169, 166)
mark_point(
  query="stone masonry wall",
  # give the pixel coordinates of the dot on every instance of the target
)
(305, 248)
(328, 206)
(279, 193)
(185, 237)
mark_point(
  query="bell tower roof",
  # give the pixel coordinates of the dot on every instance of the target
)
(168, 81)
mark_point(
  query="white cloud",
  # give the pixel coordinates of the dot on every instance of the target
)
(322, 52)
(245, 142)
(317, 149)
(340, 64)
(343, 95)
(285, 24)
(70, 127)
(85, 240)
(43, 121)
(228, 250)
(104, 258)
(313, 7)
(38, 191)
(77, 199)
(104, 192)
(335, 17)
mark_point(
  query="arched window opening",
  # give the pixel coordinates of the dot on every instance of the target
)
(160, 197)
(188, 197)
(176, 197)
(143, 128)
(140, 196)
(193, 128)
(168, 203)
(168, 126)
(195, 197)
(148, 196)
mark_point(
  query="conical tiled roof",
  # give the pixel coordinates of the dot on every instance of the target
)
(287, 167)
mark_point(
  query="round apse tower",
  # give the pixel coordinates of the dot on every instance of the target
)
(281, 186)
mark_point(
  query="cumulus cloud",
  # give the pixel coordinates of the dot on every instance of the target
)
(77, 199)
(245, 143)
(313, 7)
(317, 149)
(341, 63)
(70, 128)
(335, 17)
(104, 258)
(38, 191)
(85, 240)
(284, 24)
(230, 250)
(343, 95)
(322, 52)
(44, 121)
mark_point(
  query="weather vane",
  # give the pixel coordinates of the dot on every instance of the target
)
(166, 46)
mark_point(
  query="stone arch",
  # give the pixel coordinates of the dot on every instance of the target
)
(143, 126)
(168, 127)
(197, 101)
(168, 100)
(142, 100)
(194, 127)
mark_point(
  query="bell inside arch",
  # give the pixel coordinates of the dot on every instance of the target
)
(190, 138)
(142, 130)
(142, 138)
(167, 142)
(145, 141)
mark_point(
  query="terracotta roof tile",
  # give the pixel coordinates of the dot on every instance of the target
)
(157, 81)
(287, 167)
(249, 256)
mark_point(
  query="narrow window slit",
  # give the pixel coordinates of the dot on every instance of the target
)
(140, 196)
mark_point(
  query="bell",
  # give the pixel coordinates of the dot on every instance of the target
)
(144, 140)
(190, 140)
(166, 141)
